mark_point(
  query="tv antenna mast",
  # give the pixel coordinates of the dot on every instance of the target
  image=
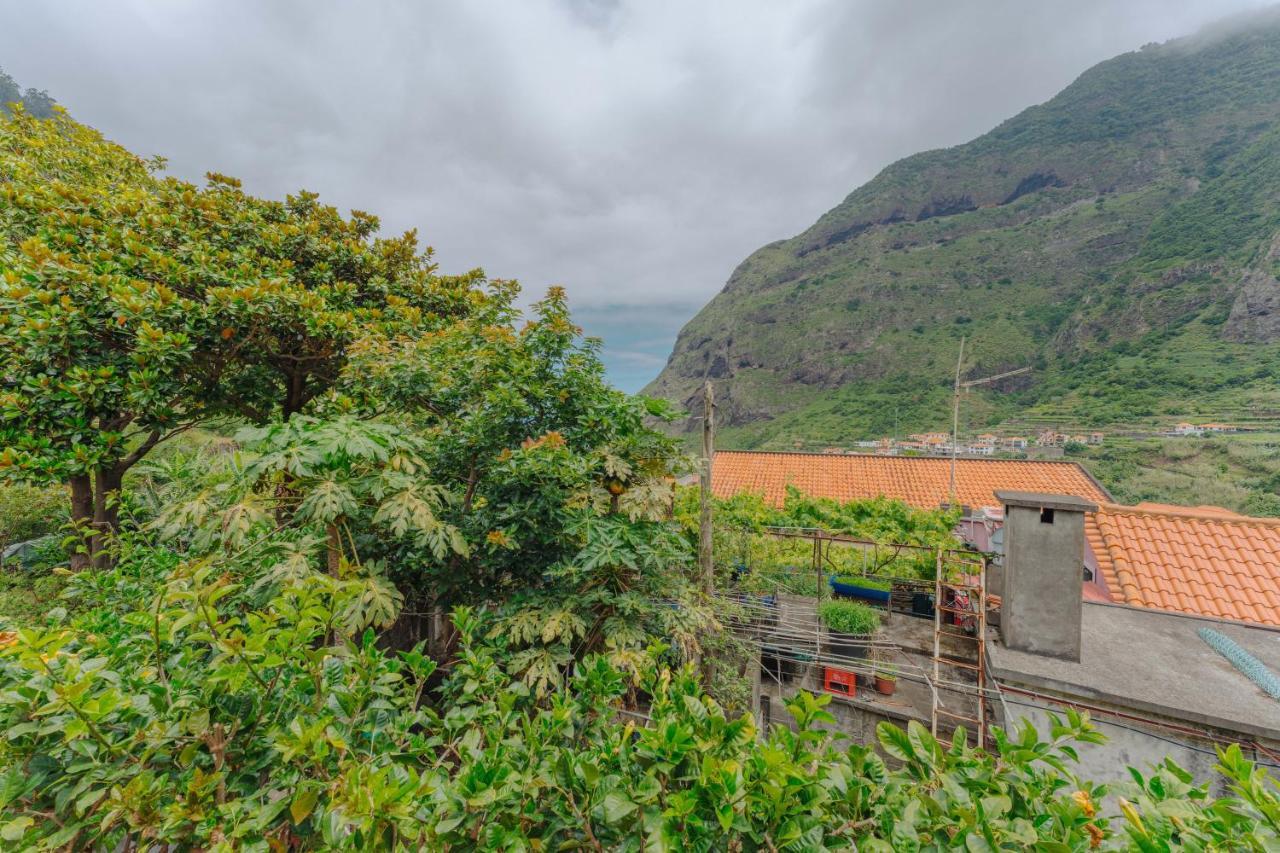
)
(955, 409)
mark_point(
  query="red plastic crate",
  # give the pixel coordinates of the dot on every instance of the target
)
(839, 682)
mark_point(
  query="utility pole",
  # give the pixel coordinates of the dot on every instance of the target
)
(955, 425)
(708, 454)
(955, 409)
(705, 563)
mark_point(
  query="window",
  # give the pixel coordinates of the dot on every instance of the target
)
(1046, 516)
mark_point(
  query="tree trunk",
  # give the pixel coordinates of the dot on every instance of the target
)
(333, 549)
(82, 518)
(295, 395)
(106, 513)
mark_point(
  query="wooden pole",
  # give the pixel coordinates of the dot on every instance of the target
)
(708, 455)
(955, 424)
(705, 562)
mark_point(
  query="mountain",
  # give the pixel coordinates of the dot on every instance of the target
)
(1122, 239)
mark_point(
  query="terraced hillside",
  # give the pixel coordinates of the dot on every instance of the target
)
(1123, 239)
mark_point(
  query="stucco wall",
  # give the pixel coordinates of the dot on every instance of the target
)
(1043, 569)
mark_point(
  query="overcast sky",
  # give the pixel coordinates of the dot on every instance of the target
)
(634, 152)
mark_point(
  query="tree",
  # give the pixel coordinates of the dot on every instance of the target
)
(35, 101)
(521, 424)
(134, 305)
(521, 458)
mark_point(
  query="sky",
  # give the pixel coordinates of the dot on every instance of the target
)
(633, 152)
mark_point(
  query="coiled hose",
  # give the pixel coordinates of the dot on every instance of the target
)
(1253, 669)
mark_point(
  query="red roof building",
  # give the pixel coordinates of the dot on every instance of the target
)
(919, 481)
(1205, 561)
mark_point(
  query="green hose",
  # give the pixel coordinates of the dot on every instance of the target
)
(1253, 669)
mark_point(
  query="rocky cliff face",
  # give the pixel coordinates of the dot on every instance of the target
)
(1255, 313)
(1134, 214)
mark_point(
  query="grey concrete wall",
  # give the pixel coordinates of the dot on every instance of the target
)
(857, 719)
(1043, 567)
(1131, 744)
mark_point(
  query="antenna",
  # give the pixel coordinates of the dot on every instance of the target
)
(955, 409)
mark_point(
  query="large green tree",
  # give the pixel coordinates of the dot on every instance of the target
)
(133, 305)
(484, 458)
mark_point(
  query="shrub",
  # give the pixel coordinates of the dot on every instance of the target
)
(203, 725)
(29, 512)
(849, 617)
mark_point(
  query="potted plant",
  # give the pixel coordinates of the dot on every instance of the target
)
(849, 625)
(886, 679)
(861, 586)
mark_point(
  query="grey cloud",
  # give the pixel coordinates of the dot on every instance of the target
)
(632, 151)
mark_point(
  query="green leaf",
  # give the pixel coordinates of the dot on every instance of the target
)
(617, 806)
(16, 828)
(895, 741)
(304, 802)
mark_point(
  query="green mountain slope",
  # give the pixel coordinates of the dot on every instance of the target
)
(1122, 238)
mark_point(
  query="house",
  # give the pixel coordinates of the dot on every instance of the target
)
(1095, 438)
(922, 482)
(1201, 561)
(1016, 442)
(1156, 683)
(1186, 429)
(1050, 438)
(1204, 561)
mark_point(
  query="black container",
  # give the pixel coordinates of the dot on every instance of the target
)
(851, 646)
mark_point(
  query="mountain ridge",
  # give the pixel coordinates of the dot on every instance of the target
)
(1133, 216)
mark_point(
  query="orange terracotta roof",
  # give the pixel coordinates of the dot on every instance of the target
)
(1205, 560)
(920, 482)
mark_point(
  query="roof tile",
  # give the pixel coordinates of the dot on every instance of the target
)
(1204, 560)
(919, 481)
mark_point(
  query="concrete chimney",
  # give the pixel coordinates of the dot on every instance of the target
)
(1043, 572)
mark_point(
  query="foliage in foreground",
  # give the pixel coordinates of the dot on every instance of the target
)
(200, 722)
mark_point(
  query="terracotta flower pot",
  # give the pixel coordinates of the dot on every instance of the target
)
(886, 686)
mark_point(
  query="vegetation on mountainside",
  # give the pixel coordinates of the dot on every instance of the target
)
(1120, 239)
(242, 668)
(1238, 472)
